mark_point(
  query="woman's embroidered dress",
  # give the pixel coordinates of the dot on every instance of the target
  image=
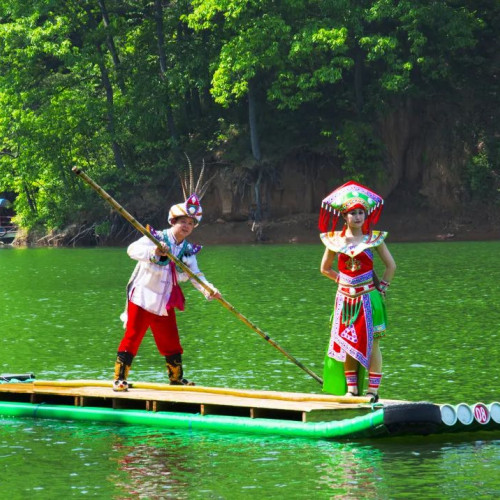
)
(359, 313)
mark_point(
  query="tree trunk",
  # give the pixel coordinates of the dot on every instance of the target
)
(255, 144)
(30, 199)
(110, 111)
(258, 197)
(111, 45)
(252, 121)
(158, 14)
(108, 87)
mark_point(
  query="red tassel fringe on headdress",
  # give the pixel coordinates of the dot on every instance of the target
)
(345, 198)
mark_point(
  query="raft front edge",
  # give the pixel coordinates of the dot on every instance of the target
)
(370, 424)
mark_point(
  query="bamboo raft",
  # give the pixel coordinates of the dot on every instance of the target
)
(243, 411)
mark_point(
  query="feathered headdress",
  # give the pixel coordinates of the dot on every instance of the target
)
(193, 193)
(345, 198)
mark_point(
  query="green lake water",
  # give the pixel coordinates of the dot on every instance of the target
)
(60, 320)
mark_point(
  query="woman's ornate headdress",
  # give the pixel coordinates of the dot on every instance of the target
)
(345, 198)
(193, 193)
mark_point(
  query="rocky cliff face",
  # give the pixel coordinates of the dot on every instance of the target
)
(423, 164)
(422, 183)
(292, 185)
(425, 155)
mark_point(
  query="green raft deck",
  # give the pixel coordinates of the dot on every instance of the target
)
(200, 408)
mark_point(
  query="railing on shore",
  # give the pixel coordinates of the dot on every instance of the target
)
(8, 230)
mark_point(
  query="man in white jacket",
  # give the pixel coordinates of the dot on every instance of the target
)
(153, 293)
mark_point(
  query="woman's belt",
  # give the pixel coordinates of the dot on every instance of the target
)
(355, 291)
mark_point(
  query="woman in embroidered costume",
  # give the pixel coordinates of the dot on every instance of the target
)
(153, 290)
(359, 316)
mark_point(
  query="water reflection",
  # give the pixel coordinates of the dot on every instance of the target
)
(151, 471)
(42, 459)
(158, 465)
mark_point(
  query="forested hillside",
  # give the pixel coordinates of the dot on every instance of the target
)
(281, 100)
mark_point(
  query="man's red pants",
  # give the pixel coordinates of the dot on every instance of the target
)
(164, 330)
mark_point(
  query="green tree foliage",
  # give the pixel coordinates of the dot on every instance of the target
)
(123, 87)
(81, 83)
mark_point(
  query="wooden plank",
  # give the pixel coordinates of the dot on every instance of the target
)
(250, 393)
(188, 399)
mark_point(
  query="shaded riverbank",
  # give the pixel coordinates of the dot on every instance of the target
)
(403, 226)
(302, 228)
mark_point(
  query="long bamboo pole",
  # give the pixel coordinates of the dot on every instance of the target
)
(126, 215)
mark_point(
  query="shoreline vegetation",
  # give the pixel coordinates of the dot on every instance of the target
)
(277, 102)
(298, 228)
